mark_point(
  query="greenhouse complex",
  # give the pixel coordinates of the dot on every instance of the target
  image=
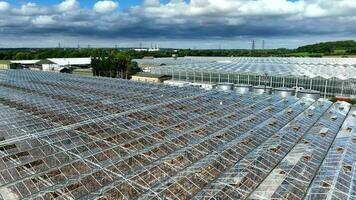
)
(69, 137)
(330, 76)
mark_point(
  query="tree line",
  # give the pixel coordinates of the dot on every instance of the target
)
(38, 54)
(331, 48)
(115, 67)
(316, 50)
(29, 54)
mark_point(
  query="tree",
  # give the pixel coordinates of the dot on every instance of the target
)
(21, 56)
(118, 66)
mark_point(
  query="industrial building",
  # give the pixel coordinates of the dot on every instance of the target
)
(5, 64)
(148, 77)
(55, 64)
(27, 64)
(330, 76)
(69, 137)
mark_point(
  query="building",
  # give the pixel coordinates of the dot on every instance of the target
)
(148, 50)
(27, 64)
(331, 76)
(5, 64)
(72, 62)
(48, 65)
(148, 77)
(55, 64)
(141, 50)
(71, 137)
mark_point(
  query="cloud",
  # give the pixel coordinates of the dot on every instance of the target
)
(151, 3)
(43, 20)
(105, 6)
(210, 20)
(4, 6)
(31, 9)
(68, 5)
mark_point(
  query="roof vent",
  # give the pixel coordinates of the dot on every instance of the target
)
(347, 168)
(270, 109)
(273, 121)
(276, 148)
(296, 128)
(325, 184)
(323, 131)
(333, 117)
(340, 149)
(247, 141)
(307, 157)
(287, 196)
(251, 118)
(290, 110)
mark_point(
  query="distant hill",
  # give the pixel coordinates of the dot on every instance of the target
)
(332, 48)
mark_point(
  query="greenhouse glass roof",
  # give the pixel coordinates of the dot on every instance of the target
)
(341, 68)
(70, 137)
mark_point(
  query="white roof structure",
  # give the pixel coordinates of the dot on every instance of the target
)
(25, 62)
(58, 61)
(173, 61)
(341, 68)
(71, 61)
(73, 137)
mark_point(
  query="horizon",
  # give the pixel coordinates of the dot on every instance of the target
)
(165, 48)
(175, 24)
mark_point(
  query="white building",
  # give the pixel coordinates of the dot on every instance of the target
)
(26, 63)
(148, 50)
(72, 62)
(55, 64)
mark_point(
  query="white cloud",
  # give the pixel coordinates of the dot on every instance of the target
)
(241, 8)
(4, 6)
(105, 6)
(314, 10)
(32, 9)
(68, 5)
(270, 7)
(43, 20)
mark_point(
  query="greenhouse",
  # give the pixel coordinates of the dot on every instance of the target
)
(330, 76)
(69, 137)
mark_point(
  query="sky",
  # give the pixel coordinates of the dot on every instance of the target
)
(175, 23)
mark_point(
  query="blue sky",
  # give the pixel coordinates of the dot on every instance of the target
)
(85, 3)
(175, 23)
